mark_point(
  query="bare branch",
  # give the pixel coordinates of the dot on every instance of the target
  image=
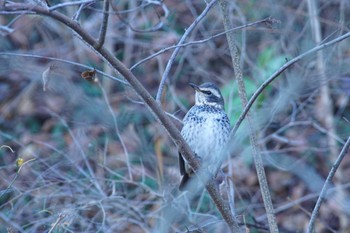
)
(252, 135)
(103, 29)
(326, 185)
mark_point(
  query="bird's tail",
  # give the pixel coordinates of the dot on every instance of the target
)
(184, 181)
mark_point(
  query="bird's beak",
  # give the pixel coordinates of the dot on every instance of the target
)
(195, 87)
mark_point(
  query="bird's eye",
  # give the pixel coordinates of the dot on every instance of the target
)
(207, 92)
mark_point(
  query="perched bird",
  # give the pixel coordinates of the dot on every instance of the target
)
(206, 129)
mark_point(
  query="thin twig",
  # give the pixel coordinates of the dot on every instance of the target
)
(59, 219)
(77, 14)
(8, 147)
(199, 41)
(15, 178)
(5, 30)
(325, 187)
(90, 175)
(176, 51)
(154, 28)
(83, 2)
(103, 29)
(308, 197)
(117, 129)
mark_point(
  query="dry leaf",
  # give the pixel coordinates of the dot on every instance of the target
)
(89, 75)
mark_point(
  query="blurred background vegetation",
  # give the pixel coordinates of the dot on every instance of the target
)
(96, 160)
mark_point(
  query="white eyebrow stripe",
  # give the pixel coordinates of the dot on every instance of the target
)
(214, 91)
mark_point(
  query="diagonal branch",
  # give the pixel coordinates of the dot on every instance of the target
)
(326, 185)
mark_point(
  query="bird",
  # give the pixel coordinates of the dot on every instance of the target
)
(206, 129)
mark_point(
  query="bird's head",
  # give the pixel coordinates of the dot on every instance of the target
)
(208, 94)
